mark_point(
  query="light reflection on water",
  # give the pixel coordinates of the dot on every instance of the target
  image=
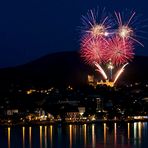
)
(41, 135)
(115, 134)
(104, 134)
(45, 128)
(74, 136)
(50, 130)
(30, 137)
(23, 131)
(85, 134)
(9, 133)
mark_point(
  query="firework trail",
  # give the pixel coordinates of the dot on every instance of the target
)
(120, 72)
(100, 69)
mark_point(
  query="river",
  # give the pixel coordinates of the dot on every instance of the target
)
(108, 135)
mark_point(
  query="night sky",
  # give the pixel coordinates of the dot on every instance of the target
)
(30, 29)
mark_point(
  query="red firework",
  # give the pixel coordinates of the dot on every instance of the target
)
(92, 50)
(119, 51)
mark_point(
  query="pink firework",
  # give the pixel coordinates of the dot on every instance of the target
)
(119, 51)
(93, 50)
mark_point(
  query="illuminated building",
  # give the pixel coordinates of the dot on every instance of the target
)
(92, 81)
(107, 82)
(72, 116)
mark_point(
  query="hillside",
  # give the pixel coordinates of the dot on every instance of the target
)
(62, 69)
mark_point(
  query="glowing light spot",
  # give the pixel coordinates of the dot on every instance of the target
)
(98, 30)
(125, 32)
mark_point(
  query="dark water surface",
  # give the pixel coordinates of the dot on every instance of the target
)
(108, 135)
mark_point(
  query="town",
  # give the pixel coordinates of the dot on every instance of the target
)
(86, 104)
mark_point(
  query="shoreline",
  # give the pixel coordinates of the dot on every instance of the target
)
(42, 123)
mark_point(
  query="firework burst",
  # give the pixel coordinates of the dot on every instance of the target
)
(93, 50)
(96, 24)
(119, 51)
(127, 26)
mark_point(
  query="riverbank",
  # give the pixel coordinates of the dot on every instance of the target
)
(31, 123)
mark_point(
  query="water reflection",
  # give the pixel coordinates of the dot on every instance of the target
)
(9, 137)
(41, 137)
(85, 135)
(128, 133)
(128, 126)
(139, 130)
(23, 131)
(45, 132)
(50, 135)
(115, 133)
(30, 137)
(93, 135)
(73, 136)
(135, 131)
(135, 128)
(70, 136)
(104, 133)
